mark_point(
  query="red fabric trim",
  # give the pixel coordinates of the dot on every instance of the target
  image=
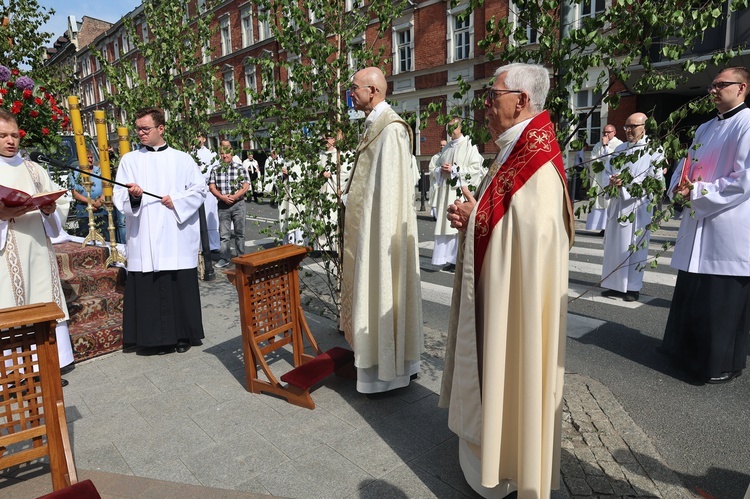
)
(536, 146)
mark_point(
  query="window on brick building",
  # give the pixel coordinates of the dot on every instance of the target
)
(355, 49)
(527, 36)
(225, 34)
(201, 6)
(354, 4)
(460, 34)
(590, 126)
(591, 8)
(246, 15)
(144, 32)
(206, 52)
(264, 26)
(116, 49)
(229, 93)
(403, 41)
(251, 83)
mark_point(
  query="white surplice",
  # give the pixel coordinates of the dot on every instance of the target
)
(622, 268)
(160, 238)
(597, 217)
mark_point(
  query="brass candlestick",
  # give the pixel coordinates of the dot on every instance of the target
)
(114, 256)
(93, 236)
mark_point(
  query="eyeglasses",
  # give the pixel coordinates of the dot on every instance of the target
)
(497, 92)
(144, 129)
(353, 87)
(632, 127)
(721, 85)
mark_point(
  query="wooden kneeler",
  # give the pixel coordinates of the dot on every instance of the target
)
(267, 285)
(31, 400)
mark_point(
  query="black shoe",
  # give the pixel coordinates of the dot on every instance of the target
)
(724, 377)
(451, 267)
(64, 381)
(183, 346)
(631, 296)
(612, 293)
(68, 368)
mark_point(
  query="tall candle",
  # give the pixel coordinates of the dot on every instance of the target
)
(103, 143)
(75, 120)
(124, 137)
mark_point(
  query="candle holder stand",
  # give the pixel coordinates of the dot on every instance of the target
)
(93, 236)
(114, 256)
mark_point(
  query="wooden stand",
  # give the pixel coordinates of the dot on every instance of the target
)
(31, 397)
(267, 285)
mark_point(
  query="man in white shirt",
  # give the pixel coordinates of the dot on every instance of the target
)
(623, 267)
(602, 151)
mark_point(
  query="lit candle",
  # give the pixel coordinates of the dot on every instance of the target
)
(75, 120)
(124, 138)
(103, 143)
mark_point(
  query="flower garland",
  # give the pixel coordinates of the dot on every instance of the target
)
(39, 118)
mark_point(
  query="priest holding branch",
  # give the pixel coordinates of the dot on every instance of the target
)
(504, 362)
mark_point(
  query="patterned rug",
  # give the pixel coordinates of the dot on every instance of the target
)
(94, 296)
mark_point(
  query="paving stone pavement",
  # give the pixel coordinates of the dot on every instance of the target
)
(187, 419)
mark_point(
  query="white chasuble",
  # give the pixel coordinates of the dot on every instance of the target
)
(381, 304)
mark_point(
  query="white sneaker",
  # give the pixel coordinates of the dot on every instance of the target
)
(222, 263)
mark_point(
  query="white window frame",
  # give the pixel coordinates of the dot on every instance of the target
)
(246, 21)
(144, 32)
(201, 6)
(116, 49)
(251, 82)
(225, 34)
(582, 10)
(353, 4)
(206, 53)
(264, 25)
(229, 85)
(357, 42)
(403, 50)
(453, 33)
(582, 101)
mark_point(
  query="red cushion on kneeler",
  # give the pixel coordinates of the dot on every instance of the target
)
(81, 490)
(318, 368)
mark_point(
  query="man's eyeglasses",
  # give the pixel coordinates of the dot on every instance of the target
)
(497, 92)
(721, 85)
(144, 129)
(632, 127)
(353, 87)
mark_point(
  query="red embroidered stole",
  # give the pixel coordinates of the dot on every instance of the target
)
(536, 146)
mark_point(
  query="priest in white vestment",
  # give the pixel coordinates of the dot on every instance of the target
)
(602, 151)
(504, 362)
(708, 330)
(161, 309)
(28, 271)
(459, 164)
(434, 177)
(207, 160)
(628, 213)
(381, 300)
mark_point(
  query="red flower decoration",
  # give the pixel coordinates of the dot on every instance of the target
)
(22, 133)
(10, 84)
(38, 101)
(15, 72)
(34, 113)
(27, 94)
(45, 130)
(4, 91)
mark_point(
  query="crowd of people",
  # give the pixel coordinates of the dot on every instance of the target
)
(504, 230)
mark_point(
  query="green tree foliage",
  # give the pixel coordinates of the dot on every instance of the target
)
(647, 43)
(176, 79)
(301, 101)
(21, 42)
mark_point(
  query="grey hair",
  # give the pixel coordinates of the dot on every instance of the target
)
(533, 79)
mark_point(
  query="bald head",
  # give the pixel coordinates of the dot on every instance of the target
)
(368, 89)
(635, 127)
